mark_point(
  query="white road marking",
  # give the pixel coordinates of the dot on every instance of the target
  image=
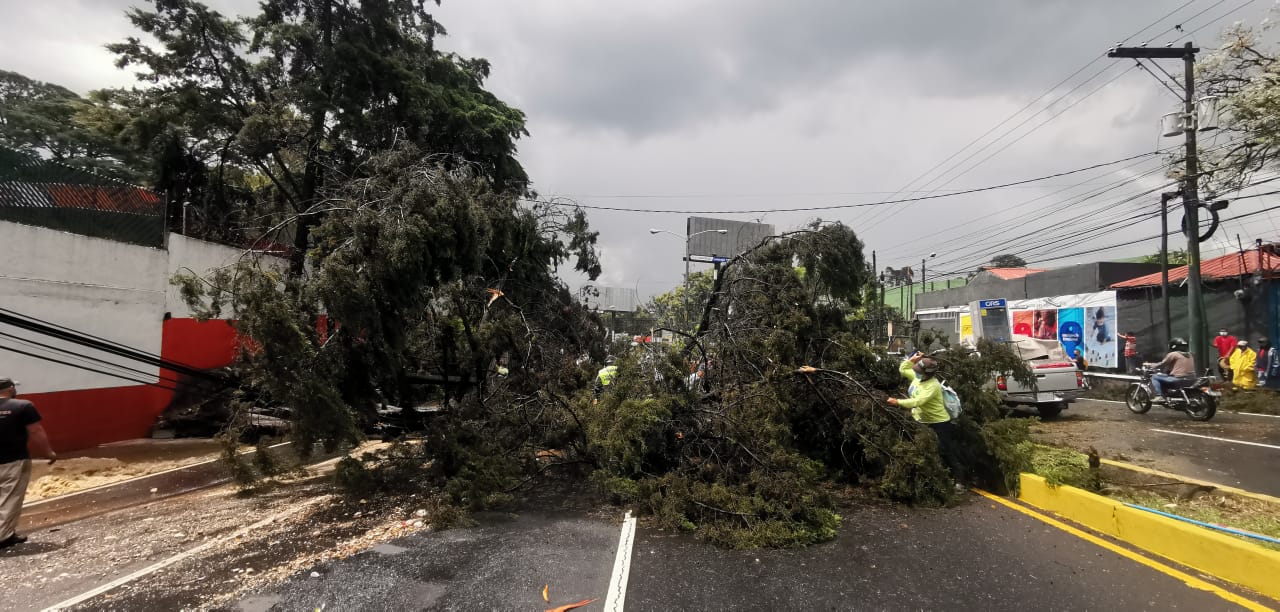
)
(1183, 433)
(617, 596)
(1101, 401)
(150, 569)
(1270, 416)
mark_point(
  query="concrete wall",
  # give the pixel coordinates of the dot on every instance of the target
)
(1142, 311)
(118, 292)
(188, 255)
(109, 289)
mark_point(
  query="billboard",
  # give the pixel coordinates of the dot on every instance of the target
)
(610, 299)
(1085, 321)
(705, 241)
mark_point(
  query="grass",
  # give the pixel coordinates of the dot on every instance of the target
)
(1260, 401)
(1217, 508)
(1106, 389)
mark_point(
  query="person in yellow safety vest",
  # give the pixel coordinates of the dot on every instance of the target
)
(1243, 364)
(605, 376)
(928, 407)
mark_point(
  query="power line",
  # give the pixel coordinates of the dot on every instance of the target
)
(1068, 205)
(52, 330)
(1149, 216)
(85, 358)
(571, 204)
(1035, 100)
(1159, 80)
(874, 221)
(986, 230)
(1219, 17)
(83, 367)
(881, 216)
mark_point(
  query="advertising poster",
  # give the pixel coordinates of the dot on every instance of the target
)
(1044, 324)
(1100, 336)
(966, 329)
(1071, 331)
(1022, 323)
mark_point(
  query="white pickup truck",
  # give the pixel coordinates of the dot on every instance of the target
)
(1057, 380)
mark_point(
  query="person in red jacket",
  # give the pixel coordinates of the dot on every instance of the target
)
(1226, 344)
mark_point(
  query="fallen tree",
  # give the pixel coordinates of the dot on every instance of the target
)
(791, 404)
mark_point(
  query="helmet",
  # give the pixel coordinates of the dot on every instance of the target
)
(1178, 344)
(928, 366)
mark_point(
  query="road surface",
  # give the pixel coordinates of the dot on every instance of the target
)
(980, 556)
(1233, 449)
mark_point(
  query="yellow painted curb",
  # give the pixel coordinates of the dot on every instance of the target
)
(1213, 553)
(1187, 479)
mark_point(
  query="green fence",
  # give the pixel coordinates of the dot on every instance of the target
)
(903, 298)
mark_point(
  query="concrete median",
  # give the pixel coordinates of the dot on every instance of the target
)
(1212, 553)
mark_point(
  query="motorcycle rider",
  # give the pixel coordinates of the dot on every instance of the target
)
(1177, 370)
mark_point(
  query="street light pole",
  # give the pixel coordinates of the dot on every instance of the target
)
(687, 239)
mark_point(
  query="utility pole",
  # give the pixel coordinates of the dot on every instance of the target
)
(1190, 191)
(1191, 204)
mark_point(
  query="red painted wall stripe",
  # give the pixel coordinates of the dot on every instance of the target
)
(82, 418)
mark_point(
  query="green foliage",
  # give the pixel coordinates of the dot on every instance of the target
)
(673, 311)
(792, 404)
(418, 269)
(1008, 260)
(1061, 466)
(250, 120)
(1009, 442)
(1244, 71)
(46, 119)
(1177, 257)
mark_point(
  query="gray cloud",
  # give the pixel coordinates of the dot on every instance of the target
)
(666, 69)
(726, 97)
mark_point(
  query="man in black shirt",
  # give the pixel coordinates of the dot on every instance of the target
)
(19, 425)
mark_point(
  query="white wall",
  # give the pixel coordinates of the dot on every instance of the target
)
(116, 291)
(189, 255)
(108, 289)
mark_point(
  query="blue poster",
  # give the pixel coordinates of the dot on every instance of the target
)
(1071, 331)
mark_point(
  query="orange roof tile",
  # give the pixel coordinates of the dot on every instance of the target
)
(1012, 273)
(1228, 266)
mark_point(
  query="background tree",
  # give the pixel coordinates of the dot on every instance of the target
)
(1245, 72)
(1177, 257)
(251, 119)
(671, 310)
(53, 122)
(1008, 260)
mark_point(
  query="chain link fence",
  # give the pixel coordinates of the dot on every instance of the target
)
(49, 194)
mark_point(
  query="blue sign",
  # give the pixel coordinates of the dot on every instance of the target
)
(719, 259)
(992, 303)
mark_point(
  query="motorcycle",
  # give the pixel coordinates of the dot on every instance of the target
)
(1199, 399)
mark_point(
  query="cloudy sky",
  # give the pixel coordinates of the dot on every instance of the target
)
(722, 106)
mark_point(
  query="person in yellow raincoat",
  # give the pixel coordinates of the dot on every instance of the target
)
(1243, 361)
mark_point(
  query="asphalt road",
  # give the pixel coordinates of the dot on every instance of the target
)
(977, 556)
(1232, 449)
